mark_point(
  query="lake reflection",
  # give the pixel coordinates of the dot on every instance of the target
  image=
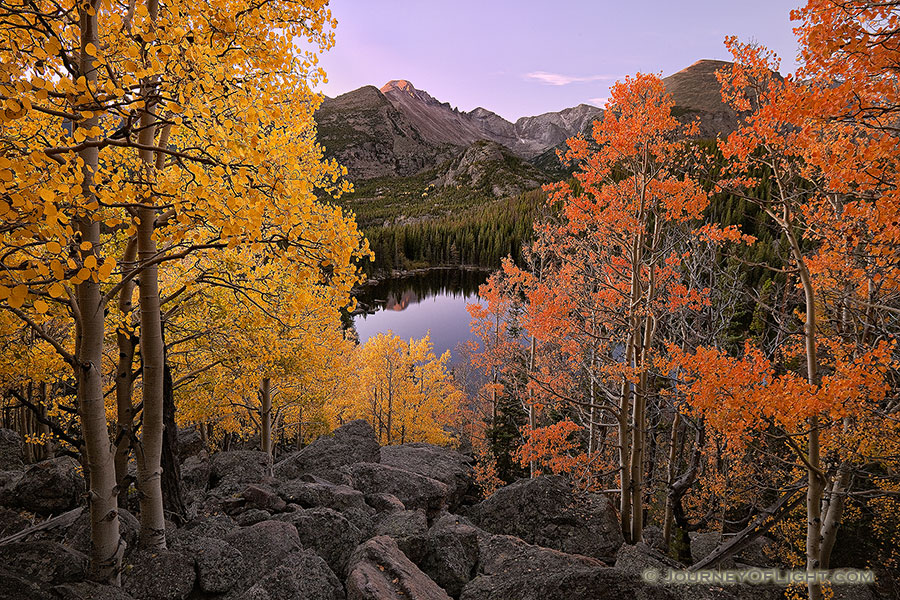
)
(412, 306)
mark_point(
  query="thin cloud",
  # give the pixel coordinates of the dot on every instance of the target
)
(600, 102)
(560, 79)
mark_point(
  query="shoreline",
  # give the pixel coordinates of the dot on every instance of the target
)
(403, 273)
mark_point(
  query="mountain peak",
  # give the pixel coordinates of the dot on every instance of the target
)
(400, 85)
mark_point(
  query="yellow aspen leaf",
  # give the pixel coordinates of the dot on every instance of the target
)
(85, 246)
(17, 296)
(84, 273)
(40, 306)
(54, 247)
(57, 290)
(90, 49)
(106, 269)
(90, 262)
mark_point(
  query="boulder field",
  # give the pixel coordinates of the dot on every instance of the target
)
(341, 519)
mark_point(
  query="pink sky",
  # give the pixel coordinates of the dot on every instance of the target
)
(520, 58)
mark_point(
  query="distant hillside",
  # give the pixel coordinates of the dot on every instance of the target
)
(364, 132)
(697, 93)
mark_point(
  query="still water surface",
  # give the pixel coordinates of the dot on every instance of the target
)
(411, 306)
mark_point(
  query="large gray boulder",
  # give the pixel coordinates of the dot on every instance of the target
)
(448, 552)
(351, 443)
(510, 569)
(87, 590)
(238, 466)
(413, 490)
(196, 471)
(11, 450)
(380, 571)
(189, 442)
(316, 493)
(302, 575)
(50, 486)
(11, 522)
(401, 523)
(328, 533)
(544, 511)
(46, 562)
(16, 587)
(219, 565)
(265, 544)
(159, 575)
(636, 559)
(451, 468)
(8, 481)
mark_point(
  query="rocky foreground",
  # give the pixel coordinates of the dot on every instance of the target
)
(341, 519)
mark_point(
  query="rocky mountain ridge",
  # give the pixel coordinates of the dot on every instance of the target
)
(399, 130)
(527, 137)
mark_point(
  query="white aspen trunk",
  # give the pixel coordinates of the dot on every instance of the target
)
(816, 484)
(153, 527)
(107, 546)
(833, 515)
(124, 370)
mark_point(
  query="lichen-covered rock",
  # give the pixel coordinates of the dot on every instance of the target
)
(351, 443)
(448, 552)
(195, 471)
(252, 517)
(189, 443)
(451, 468)
(50, 486)
(510, 569)
(159, 575)
(265, 544)
(16, 587)
(703, 543)
(635, 559)
(8, 481)
(413, 490)
(46, 562)
(11, 450)
(380, 571)
(220, 566)
(263, 497)
(217, 526)
(328, 533)
(86, 590)
(384, 502)
(401, 523)
(302, 575)
(544, 511)
(238, 466)
(312, 492)
(11, 522)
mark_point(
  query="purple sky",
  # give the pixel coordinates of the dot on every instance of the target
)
(526, 57)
